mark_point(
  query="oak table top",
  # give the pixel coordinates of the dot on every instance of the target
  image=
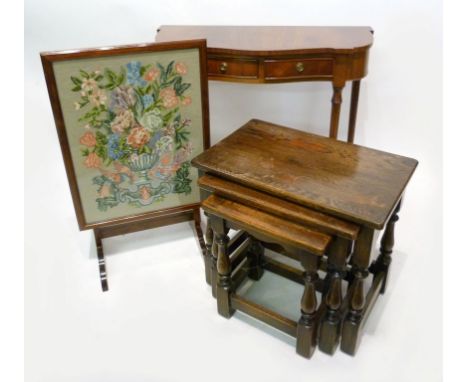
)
(359, 184)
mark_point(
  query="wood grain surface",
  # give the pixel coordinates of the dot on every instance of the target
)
(280, 230)
(341, 179)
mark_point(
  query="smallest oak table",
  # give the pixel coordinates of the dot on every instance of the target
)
(281, 177)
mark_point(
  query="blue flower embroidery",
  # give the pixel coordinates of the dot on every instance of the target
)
(156, 137)
(147, 100)
(133, 74)
(113, 150)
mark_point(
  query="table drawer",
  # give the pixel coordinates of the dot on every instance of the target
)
(298, 68)
(220, 67)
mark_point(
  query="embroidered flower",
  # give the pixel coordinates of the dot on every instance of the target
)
(89, 84)
(122, 121)
(151, 120)
(122, 98)
(184, 153)
(166, 159)
(98, 98)
(152, 74)
(116, 178)
(113, 147)
(92, 161)
(169, 130)
(145, 193)
(165, 144)
(181, 68)
(138, 137)
(169, 98)
(186, 101)
(133, 74)
(147, 100)
(88, 139)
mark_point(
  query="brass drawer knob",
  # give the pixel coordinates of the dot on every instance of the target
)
(223, 67)
(300, 67)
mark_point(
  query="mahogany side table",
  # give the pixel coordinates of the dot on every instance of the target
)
(340, 189)
(272, 54)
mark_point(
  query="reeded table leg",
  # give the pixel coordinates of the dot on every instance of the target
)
(352, 325)
(307, 325)
(330, 328)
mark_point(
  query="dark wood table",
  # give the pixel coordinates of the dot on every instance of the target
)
(339, 180)
(271, 54)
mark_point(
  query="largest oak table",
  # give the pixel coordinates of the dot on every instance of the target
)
(272, 54)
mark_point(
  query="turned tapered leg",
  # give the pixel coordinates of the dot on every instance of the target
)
(201, 242)
(382, 264)
(307, 325)
(353, 110)
(101, 260)
(208, 256)
(335, 112)
(256, 256)
(223, 266)
(351, 333)
(214, 271)
(330, 328)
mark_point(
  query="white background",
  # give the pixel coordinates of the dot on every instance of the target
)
(158, 322)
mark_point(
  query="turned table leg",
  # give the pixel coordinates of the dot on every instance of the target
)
(353, 110)
(330, 328)
(382, 264)
(307, 325)
(201, 240)
(208, 255)
(223, 265)
(101, 260)
(256, 256)
(335, 112)
(352, 325)
(213, 259)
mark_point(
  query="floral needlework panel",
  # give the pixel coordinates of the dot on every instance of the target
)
(133, 124)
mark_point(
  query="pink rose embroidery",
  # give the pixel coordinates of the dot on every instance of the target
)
(122, 121)
(181, 68)
(151, 74)
(187, 101)
(169, 98)
(138, 137)
(92, 161)
(88, 139)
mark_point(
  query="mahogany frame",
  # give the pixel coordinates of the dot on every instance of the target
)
(136, 222)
